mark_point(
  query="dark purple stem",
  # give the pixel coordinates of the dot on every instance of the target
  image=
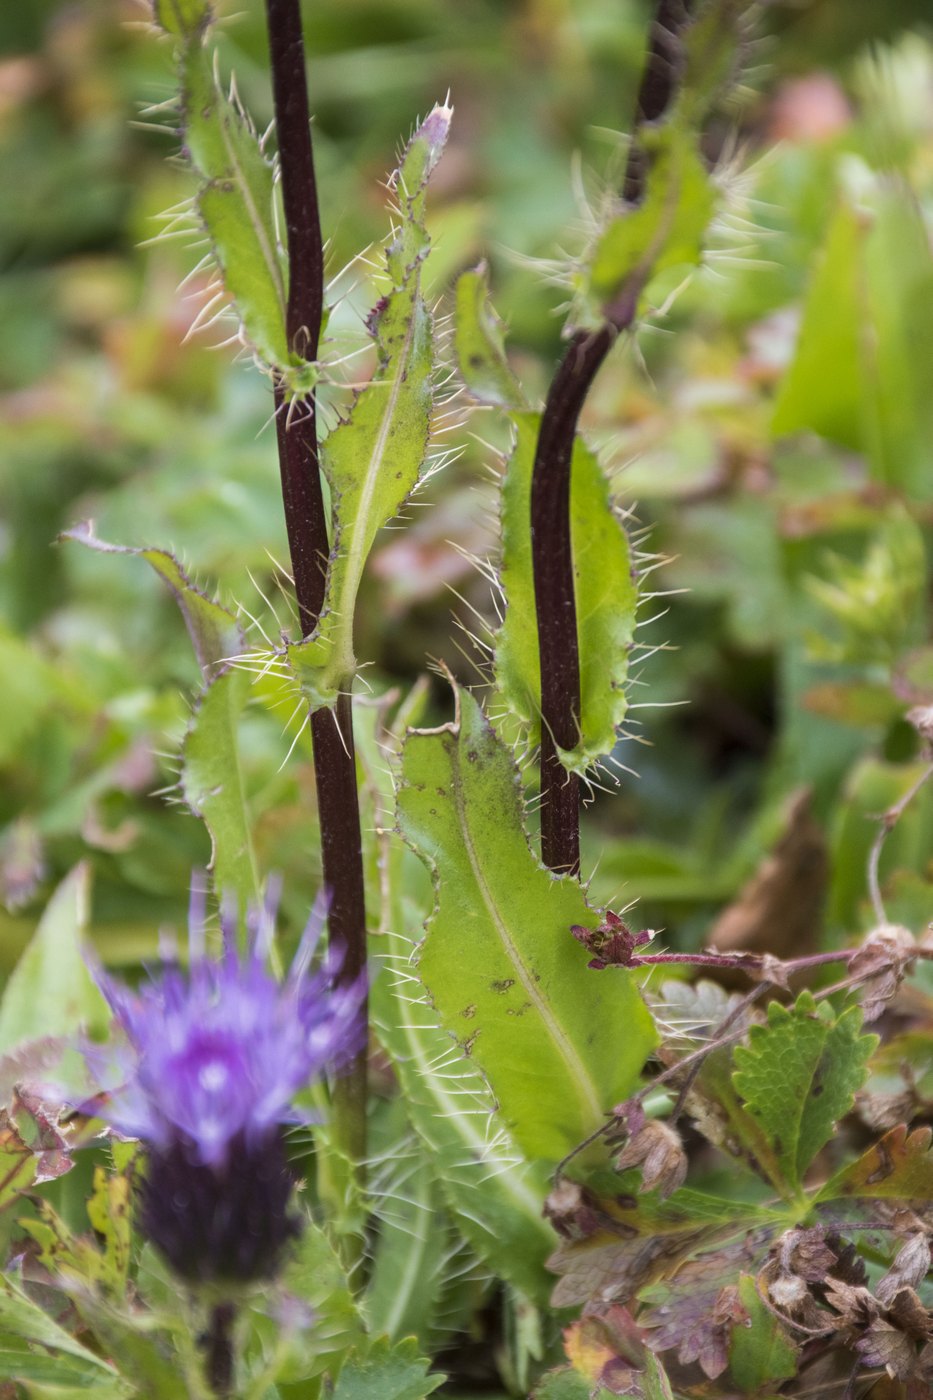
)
(218, 1349)
(551, 548)
(308, 542)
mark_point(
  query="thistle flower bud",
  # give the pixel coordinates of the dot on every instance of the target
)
(211, 1061)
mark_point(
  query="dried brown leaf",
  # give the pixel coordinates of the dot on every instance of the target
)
(886, 956)
(658, 1150)
(909, 1269)
(908, 1315)
(884, 1111)
(700, 1304)
(883, 1345)
(778, 912)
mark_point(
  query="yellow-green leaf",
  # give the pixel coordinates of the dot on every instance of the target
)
(558, 1042)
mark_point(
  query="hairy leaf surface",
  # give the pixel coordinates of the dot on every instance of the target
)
(495, 1197)
(606, 599)
(236, 203)
(665, 230)
(479, 344)
(375, 458)
(558, 1046)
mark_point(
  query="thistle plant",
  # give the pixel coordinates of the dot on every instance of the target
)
(213, 1059)
(495, 1106)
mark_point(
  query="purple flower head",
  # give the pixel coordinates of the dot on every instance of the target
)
(213, 1059)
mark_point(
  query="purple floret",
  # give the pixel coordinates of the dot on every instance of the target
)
(212, 1061)
(216, 1054)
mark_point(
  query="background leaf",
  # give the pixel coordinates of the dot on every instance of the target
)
(760, 1352)
(384, 1372)
(798, 1076)
(861, 317)
(898, 1167)
(34, 1347)
(50, 991)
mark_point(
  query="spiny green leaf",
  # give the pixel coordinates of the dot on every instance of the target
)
(215, 633)
(898, 1167)
(798, 1076)
(558, 1045)
(50, 991)
(212, 784)
(479, 344)
(236, 203)
(211, 780)
(407, 1275)
(760, 1353)
(316, 1276)
(39, 1349)
(183, 18)
(375, 458)
(712, 49)
(384, 1372)
(665, 230)
(606, 598)
(495, 1198)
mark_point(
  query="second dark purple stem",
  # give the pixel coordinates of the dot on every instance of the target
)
(306, 526)
(551, 546)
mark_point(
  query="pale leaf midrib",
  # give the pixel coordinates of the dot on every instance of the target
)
(344, 604)
(566, 1050)
(268, 252)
